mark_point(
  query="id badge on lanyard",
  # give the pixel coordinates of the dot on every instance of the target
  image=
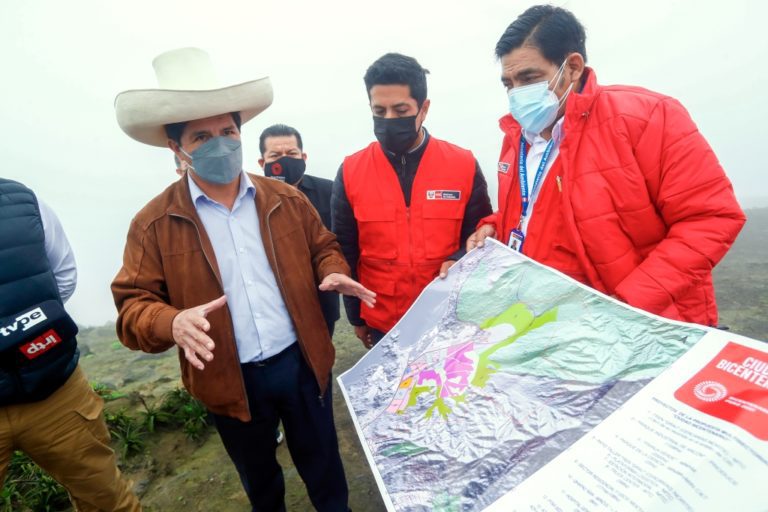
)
(517, 236)
(516, 239)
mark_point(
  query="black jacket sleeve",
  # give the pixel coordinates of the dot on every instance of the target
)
(318, 191)
(479, 206)
(344, 225)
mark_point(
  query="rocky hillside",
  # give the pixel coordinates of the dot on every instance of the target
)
(741, 279)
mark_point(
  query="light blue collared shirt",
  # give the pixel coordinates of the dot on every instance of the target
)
(261, 321)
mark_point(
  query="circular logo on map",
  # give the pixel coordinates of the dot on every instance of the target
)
(710, 391)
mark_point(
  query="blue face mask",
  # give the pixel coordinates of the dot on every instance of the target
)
(535, 106)
(219, 160)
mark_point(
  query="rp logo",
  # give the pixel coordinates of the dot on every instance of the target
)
(277, 169)
(41, 344)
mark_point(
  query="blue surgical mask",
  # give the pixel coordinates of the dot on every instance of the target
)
(535, 106)
(219, 160)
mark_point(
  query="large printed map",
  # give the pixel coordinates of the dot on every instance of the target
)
(492, 373)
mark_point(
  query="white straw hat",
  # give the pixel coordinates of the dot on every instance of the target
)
(188, 90)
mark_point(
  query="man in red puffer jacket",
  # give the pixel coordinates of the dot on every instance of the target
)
(612, 185)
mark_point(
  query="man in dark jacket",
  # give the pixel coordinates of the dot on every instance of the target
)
(47, 408)
(283, 158)
(404, 206)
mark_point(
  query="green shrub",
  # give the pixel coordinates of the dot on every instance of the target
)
(27, 487)
(152, 416)
(127, 432)
(178, 409)
(173, 404)
(105, 392)
(195, 420)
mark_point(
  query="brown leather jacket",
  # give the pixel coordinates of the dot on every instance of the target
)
(169, 265)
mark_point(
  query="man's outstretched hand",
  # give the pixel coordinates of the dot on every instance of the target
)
(348, 286)
(445, 267)
(477, 239)
(189, 332)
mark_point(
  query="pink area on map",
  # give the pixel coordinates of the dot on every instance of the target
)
(458, 369)
(396, 405)
(451, 380)
(430, 374)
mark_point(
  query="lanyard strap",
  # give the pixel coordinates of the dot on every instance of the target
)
(522, 169)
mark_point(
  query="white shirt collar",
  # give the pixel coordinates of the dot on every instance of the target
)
(196, 192)
(557, 133)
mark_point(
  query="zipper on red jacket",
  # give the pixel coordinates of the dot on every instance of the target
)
(221, 286)
(410, 246)
(410, 235)
(408, 216)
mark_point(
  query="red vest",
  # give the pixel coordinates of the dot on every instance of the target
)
(402, 248)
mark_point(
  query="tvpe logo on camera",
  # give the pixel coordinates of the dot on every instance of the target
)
(41, 344)
(24, 322)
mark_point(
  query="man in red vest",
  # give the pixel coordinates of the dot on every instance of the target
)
(403, 207)
(612, 185)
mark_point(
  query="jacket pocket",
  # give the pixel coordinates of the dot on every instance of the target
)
(90, 407)
(442, 227)
(377, 230)
(380, 284)
(291, 230)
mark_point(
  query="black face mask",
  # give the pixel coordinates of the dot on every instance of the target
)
(397, 134)
(287, 169)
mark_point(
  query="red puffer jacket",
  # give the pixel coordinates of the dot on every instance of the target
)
(645, 200)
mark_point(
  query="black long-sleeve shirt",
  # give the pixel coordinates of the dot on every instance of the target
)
(318, 191)
(344, 224)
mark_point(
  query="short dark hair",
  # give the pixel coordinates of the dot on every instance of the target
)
(279, 130)
(553, 30)
(174, 130)
(398, 69)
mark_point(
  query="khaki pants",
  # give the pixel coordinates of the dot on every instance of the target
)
(66, 435)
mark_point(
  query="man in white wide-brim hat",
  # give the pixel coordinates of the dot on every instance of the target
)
(225, 265)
